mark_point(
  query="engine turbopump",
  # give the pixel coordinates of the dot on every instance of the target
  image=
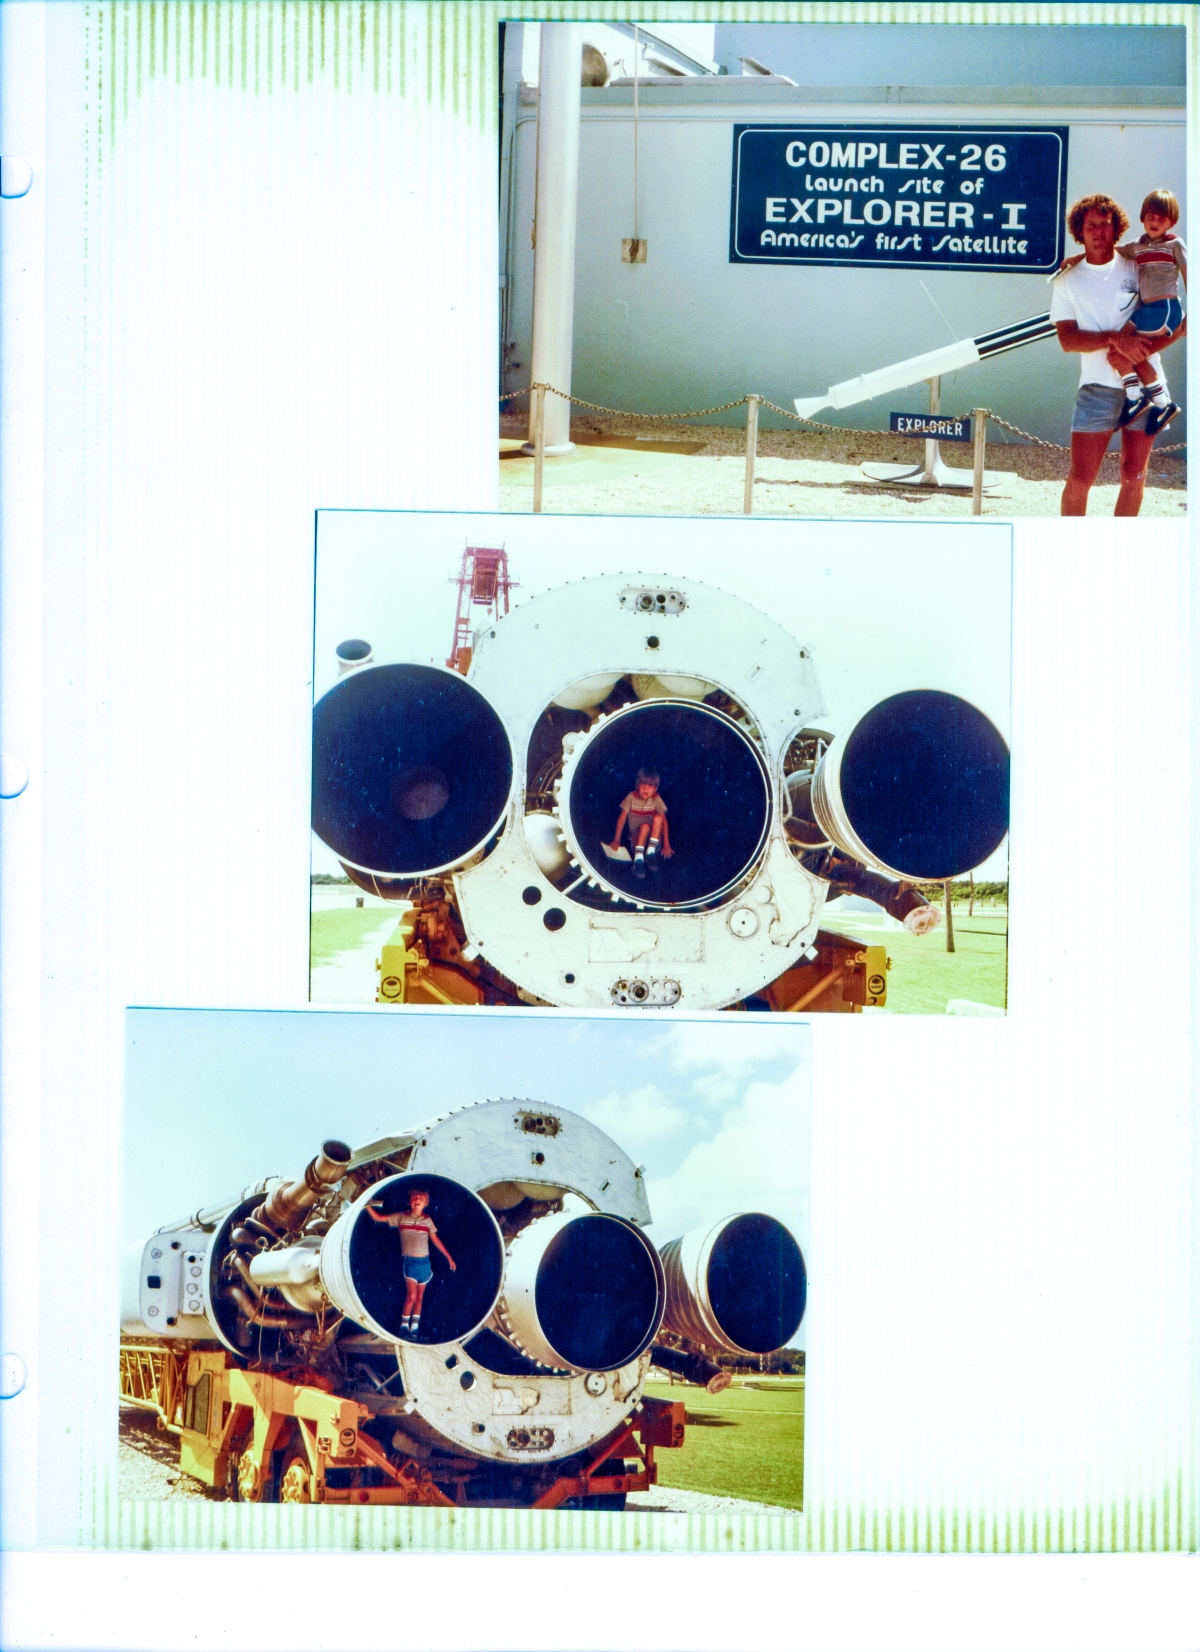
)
(532, 1353)
(506, 785)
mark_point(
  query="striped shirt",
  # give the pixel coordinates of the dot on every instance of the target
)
(1158, 265)
(414, 1234)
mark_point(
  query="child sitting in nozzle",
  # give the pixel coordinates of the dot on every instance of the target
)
(1161, 258)
(644, 814)
(416, 1231)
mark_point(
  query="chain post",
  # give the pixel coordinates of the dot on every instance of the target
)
(980, 416)
(539, 444)
(751, 453)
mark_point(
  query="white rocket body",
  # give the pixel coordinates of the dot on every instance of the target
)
(964, 352)
(676, 639)
(915, 370)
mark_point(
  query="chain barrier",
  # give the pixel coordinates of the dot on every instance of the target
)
(597, 407)
(817, 424)
(796, 418)
(1176, 447)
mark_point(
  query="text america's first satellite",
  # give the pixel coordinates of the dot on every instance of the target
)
(483, 798)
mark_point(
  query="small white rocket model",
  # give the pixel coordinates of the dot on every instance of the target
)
(964, 352)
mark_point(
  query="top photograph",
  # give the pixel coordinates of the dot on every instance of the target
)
(823, 270)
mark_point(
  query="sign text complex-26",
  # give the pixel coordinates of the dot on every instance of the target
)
(934, 197)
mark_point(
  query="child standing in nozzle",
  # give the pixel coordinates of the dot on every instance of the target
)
(1160, 258)
(644, 813)
(416, 1231)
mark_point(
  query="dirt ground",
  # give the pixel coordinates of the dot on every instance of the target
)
(625, 465)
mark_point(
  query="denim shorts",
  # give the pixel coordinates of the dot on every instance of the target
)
(419, 1269)
(1163, 315)
(1098, 407)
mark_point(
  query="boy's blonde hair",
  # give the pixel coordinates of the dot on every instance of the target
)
(1163, 202)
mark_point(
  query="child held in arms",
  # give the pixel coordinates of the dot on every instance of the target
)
(416, 1232)
(1161, 259)
(644, 813)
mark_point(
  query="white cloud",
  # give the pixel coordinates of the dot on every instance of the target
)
(640, 1119)
(757, 1160)
(735, 1044)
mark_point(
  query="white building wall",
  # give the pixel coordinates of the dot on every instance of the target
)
(690, 329)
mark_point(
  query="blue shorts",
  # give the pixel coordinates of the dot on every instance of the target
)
(1162, 316)
(1098, 407)
(419, 1269)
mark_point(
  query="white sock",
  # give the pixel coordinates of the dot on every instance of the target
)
(1133, 387)
(1157, 392)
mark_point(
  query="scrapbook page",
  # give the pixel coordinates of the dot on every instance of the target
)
(598, 640)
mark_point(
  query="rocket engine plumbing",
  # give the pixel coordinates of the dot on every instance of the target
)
(486, 805)
(283, 1312)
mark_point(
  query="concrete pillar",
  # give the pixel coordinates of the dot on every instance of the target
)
(559, 72)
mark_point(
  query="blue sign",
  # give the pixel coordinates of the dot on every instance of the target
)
(887, 197)
(930, 425)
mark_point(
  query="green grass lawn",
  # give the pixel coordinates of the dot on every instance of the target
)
(924, 976)
(747, 1442)
(342, 929)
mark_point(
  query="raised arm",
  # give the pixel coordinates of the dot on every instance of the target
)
(375, 1214)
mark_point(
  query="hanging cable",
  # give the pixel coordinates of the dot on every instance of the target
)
(637, 69)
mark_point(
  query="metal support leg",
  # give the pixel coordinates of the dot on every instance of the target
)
(934, 473)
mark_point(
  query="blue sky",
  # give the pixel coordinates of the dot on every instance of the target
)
(718, 1112)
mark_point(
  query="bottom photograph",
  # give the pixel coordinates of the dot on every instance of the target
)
(454, 1261)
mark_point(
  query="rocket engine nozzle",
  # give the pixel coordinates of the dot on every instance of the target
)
(740, 1285)
(918, 786)
(412, 770)
(363, 1261)
(584, 1292)
(285, 1204)
(713, 779)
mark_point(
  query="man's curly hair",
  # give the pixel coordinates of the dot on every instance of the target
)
(1097, 203)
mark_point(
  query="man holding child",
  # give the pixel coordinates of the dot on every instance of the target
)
(1093, 301)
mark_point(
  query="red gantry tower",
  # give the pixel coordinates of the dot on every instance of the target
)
(483, 582)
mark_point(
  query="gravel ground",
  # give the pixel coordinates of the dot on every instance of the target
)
(148, 1462)
(631, 466)
(669, 1500)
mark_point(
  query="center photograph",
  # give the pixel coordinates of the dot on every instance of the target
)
(632, 763)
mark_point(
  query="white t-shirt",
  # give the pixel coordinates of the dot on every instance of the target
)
(1098, 298)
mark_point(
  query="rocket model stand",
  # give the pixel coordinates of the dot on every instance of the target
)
(929, 367)
(934, 473)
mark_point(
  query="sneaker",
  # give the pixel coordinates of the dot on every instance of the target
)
(1131, 410)
(414, 1325)
(639, 867)
(1160, 418)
